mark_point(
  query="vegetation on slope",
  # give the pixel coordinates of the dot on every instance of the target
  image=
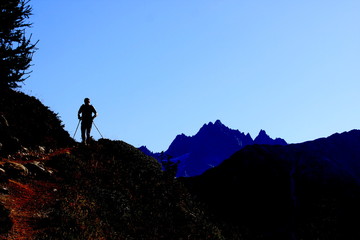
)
(112, 191)
(108, 190)
(30, 124)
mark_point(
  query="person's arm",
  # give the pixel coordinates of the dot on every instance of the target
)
(80, 111)
(95, 113)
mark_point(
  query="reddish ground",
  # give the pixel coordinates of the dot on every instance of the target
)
(29, 200)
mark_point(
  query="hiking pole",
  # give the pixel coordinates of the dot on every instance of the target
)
(76, 128)
(98, 130)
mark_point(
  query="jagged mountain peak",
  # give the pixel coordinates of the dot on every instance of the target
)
(264, 138)
(145, 150)
(262, 133)
(216, 127)
(181, 136)
(217, 124)
(212, 144)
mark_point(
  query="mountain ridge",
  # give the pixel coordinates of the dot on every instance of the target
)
(213, 143)
(111, 190)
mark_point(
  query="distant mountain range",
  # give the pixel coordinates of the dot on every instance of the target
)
(309, 190)
(111, 190)
(209, 147)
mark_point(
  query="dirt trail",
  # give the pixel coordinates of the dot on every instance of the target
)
(29, 202)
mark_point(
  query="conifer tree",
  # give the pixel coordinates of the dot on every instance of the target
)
(16, 49)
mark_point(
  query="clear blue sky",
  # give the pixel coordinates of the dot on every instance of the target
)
(157, 68)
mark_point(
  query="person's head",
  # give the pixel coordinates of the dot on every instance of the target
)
(87, 101)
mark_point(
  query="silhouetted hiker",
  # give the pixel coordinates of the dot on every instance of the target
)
(88, 113)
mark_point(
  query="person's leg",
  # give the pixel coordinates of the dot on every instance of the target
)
(88, 134)
(83, 128)
(88, 131)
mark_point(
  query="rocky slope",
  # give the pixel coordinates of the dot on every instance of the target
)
(25, 121)
(53, 188)
(108, 190)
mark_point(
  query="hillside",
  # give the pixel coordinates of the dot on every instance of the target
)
(299, 191)
(54, 188)
(108, 190)
(29, 124)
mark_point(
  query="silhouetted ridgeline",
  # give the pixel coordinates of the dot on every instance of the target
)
(30, 123)
(209, 147)
(111, 190)
(299, 191)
